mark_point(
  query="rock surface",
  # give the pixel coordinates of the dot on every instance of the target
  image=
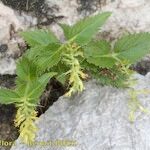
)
(7, 19)
(129, 16)
(8, 23)
(96, 119)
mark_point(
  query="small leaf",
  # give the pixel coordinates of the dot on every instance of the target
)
(97, 48)
(26, 69)
(84, 30)
(8, 96)
(49, 57)
(103, 62)
(36, 89)
(39, 37)
(33, 52)
(45, 77)
(99, 53)
(133, 47)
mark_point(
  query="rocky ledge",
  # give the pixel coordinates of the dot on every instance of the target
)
(96, 119)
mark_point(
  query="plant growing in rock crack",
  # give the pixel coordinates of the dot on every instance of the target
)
(29, 87)
(80, 57)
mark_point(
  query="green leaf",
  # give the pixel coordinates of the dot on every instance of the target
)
(33, 52)
(61, 70)
(8, 96)
(83, 31)
(33, 90)
(66, 30)
(133, 47)
(97, 48)
(39, 37)
(99, 53)
(26, 69)
(103, 62)
(49, 57)
(36, 89)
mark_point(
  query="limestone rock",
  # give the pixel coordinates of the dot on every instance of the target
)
(132, 3)
(96, 119)
(129, 16)
(7, 19)
(8, 23)
(7, 66)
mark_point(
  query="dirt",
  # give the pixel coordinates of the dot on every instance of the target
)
(142, 67)
(7, 114)
(53, 91)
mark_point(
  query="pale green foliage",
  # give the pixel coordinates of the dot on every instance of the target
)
(39, 37)
(133, 47)
(76, 59)
(48, 55)
(83, 31)
(8, 96)
(99, 53)
(29, 87)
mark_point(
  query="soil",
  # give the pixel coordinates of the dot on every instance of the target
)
(7, 114)
(53, 91)
(142, 67)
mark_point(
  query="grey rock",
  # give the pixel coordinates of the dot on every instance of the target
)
(8, 19)
(9, 23)
(96, 119)
(7, 66)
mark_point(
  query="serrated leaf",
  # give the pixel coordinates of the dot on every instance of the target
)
(49, 57)
(32, 90)
(8, 96)
(133, 47)
(26, 69)
(61, 69)
(103, 62)
(93, 25)
(97, 48)
(83, 31)
(99, 54)
(39, 37)
(33, 52)
(37, 87)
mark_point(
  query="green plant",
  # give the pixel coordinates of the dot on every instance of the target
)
(29, 87)
(81, 54)
(80, 57)
(64, 57)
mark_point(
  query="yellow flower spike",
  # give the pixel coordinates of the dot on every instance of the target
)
(83, 75)
(28, 129)
(69, 93)
(25, 117)
(75, 72)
